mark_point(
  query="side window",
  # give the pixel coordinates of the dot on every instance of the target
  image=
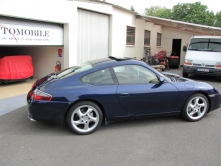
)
(130, 36)
(134, 74)
(147, 38)
(158, 39)
(99, 77)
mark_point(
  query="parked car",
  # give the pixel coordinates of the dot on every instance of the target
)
(203, 56)
(16, 68)
(114, 89)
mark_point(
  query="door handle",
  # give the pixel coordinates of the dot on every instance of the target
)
(124, 94)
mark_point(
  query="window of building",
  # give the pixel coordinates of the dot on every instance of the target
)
(158, 39)
(130, 35)
(147, 38)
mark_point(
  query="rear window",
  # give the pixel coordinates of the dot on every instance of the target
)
(74, 70)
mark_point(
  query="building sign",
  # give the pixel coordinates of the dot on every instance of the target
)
(18, 34)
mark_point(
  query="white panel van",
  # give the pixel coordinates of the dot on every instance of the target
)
(203, 56)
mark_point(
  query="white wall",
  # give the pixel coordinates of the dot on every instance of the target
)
(169, 35)
(154, 29)
(120, 20)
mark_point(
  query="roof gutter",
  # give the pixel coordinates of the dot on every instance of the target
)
(150, 18)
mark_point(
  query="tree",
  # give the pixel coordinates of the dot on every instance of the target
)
(154, 11)
(167, 13)
(218, 19)
(187, 12)
(132, 9)
(193, 13)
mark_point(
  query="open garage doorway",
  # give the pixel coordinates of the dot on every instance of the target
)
(43, 41)
(44, 57)
(44, 60)
(175, 54)
(176, 47)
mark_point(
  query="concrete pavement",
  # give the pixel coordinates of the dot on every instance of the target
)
(13, 95)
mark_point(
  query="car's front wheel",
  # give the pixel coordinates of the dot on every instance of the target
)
(84, 117)
(195, 108)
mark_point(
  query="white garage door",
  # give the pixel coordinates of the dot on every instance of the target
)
(93, 35)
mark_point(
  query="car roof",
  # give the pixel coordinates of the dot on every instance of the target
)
(207, 37)
(109, 59)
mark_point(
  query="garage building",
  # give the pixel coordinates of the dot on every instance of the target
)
(74, 31)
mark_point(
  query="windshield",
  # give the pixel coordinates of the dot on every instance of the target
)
(205, 44)
(74, 70)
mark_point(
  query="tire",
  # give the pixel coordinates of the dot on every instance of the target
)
(84, 117)
(195, 108)
(185, 75)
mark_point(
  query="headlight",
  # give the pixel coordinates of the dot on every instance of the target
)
(188, 62)
(218, 65)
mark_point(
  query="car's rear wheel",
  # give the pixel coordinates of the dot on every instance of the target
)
(195, 108)
(84, 117)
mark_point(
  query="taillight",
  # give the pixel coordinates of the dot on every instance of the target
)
(31, 94)
(39, 95)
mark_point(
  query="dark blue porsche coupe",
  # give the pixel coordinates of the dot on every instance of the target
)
(114, 89)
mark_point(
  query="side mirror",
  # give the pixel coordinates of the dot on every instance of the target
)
(184, 48)
(162, 80)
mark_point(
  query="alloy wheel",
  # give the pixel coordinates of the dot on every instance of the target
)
(196, 108)
(85, 118)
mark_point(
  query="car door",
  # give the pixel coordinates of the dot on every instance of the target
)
(102, 87)
(140, 91)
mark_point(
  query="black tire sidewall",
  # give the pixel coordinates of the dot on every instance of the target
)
(74, 107)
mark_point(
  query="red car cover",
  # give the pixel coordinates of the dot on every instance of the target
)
(16, 67)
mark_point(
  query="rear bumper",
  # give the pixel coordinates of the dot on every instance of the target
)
(194, 70)
(47, 111)
(30, 118)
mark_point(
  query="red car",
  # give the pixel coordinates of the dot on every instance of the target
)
(16, 68)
